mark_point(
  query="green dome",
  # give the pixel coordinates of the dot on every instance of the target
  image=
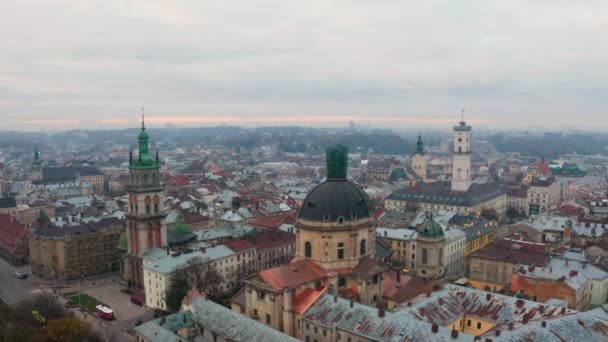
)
(181, 227)
(430, 228)
(123, 242)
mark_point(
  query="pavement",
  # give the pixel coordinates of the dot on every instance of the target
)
(105, 288)
(13, 289)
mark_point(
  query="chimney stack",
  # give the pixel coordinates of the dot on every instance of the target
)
(454, 333)
(351, 303)
(563, 311)
(497, 333)
(543, 324)
(488, 296)
(525, 320)
(381, 311)
(335, 298)
(434, 328)
(511, 326)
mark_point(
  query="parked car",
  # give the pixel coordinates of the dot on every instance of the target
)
(20, 275)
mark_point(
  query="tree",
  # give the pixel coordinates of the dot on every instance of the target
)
(512, 213)
(489, 214)
(203, 276)
(68, 329)
(178, 289)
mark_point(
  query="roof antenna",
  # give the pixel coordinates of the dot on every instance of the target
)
(462, 115)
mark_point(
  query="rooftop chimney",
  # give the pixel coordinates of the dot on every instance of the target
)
(525, 320)
(497, 333)
(543, 324)
(454, 333)
(381, 311)
(511, 326)
(563, 311)
(335, 298)
(434, 328)
(351, 303)
(488, 296)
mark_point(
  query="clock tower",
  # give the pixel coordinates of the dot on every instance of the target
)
(461, 157)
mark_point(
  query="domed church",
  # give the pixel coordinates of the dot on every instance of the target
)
(335, 253)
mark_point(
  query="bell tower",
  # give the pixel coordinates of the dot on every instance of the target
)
(145, 211)
(37, 166)
(419, 159)
(461, 157)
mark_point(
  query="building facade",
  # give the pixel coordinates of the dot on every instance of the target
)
(71, 252)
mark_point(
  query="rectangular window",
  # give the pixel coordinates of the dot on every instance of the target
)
(267, 318)
(478, 325)
(468, 323)
(340, 251)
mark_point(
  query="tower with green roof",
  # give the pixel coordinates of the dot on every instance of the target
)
(419, 160)
(145, 211)
(430, 244)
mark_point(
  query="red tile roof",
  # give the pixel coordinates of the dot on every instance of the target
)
(306, 299)
(272, 238)
(349, 293)
(406, 288)
(181, 179)
(269, 221)
(240, 245)
(515, 252)
(570, 210)
(292, 275)
(191, 218)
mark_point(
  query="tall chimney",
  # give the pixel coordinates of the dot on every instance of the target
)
(351, 303)
(381, 311)
(434, 328)
(525, 320)
(543, 324)
(454, 333)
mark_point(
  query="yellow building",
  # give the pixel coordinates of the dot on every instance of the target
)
(69, 252)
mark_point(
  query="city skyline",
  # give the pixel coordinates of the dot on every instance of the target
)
(514, 65)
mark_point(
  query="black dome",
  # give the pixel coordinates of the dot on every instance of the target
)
(333, 199)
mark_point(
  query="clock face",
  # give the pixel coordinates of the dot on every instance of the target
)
(459, 139)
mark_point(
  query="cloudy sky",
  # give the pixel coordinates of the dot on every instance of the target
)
(513, 64)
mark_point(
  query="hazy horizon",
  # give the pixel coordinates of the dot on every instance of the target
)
(523, 65)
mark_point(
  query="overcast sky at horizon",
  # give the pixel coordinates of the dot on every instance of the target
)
(402, 64)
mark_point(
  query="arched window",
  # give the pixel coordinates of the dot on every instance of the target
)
(147, 209)
(145, 178)
(424, 256)
(154, 178)
(307, 250)
(362, 247)
(131, 208)
(459, 149)
(341, 251)
(156, 208)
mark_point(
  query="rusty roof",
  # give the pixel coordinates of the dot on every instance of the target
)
(292, 275)
(306, 298)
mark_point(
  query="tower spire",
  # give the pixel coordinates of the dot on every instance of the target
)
(143, 126)
(419, 145)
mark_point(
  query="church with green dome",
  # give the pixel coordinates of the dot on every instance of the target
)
(430, 245)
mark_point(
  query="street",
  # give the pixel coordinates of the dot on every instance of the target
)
(104, 288)
(12, 289)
